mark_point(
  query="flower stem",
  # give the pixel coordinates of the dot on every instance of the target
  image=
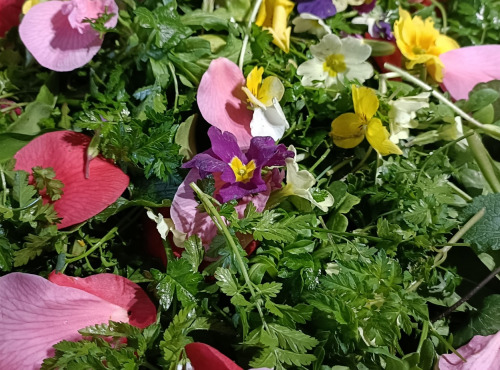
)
(106, 237)
(444, 17)
(462, 194)
(484, 162)
(436, 94)
(176, 85)
(221, 225)
(255, 10)
(320, 159)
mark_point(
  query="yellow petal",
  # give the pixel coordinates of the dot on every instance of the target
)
(271, 88)
(347, 131)
(254, 79)
(378, 137)
(365, 102)
(273, 17)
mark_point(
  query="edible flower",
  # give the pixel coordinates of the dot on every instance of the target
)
(38, 313)
(310, 23)
(402, 115)
(10, 11)
(243, 108)
(65, 152)
(342, 5)
(334, 61)
(421, 43)
(273, 17)
(59, 35)
(349, 129)
(320, 8)
(482, 352)
(240, 172)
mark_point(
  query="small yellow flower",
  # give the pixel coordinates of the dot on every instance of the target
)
(349, 129)
(421, 43)
(273, 17)
(29, 4)
(261, 93)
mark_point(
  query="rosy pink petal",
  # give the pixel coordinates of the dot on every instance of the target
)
(47, 33)
(65, 152)
(481, 353)
(10, 11)
(466, 67)
(36, 314)
(114, 289)
(205, 357)
(222, 102)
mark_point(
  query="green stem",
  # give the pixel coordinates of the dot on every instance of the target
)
(4, 186)
(12, 106)
(106, 237)
(484, 162)
(423, 336)
(343, 233)
(255, 10)
(444, 17)
(221, 225)
(176, 85)
(446, 344)
(320, 159)
(462, 194)
(363, 160)
(438, 95)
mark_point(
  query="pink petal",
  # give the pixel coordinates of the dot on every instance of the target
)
(65, 152)
(481, 353)
(466, 67)
(205, 357)
(47, 33)
(114, 289)
(222, 102)
(36, 314)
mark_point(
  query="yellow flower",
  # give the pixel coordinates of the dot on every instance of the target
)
(273, 17)
(29, 4)
(421, 43)
(349, 129)
(261, 93)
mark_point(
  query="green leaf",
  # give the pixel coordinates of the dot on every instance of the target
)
(482, 235)
(45, 181)
(21, 191)
(479, 99)
(226, 281)
(194, 252)
(11, 143)
(5, 254)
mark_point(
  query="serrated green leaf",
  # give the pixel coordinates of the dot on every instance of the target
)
(484, 235)
(226, 281)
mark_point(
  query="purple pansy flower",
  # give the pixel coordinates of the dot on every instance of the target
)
(240, 172)
(320, 8)
(383, 30)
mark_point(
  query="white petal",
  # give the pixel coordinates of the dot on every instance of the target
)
(329, 44)
(307, 22)
(360, 72)
(269, 122)
(311, 72)
(355, 51)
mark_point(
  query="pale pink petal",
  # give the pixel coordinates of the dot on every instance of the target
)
(466, 67)
(205, 357)
(481, 353)
(47, 33)
(222, 102)
(115, 289)
(65, 152)
(36, 314)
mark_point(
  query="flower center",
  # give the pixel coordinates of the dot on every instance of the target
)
(334, 64)
(418, 50)
(242, 172)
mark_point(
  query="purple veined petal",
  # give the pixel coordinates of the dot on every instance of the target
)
(320, 8)
(206, 164)
(222, 102)
(225, 146)
(47, 33)
(464, 68)
(239, 190)
(36, 314)
(262, 148)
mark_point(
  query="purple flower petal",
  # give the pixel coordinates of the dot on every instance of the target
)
(206, 163)
(224, 145)
(320, 8)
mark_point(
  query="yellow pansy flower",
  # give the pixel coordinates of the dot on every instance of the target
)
(349, 129)
(29, 4)
(262, 92)
(273, 17)
(421, 43)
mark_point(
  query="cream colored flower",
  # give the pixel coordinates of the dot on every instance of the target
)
(402, 115)
(307, 22)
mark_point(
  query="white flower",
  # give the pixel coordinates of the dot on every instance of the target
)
(370, 19)
(334, 61)
(269, 121)
(341, 5)
(402, 115)
(307, 22)
(300, 183)
(166, 225)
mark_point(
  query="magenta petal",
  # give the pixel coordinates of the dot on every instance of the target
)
(115, 289)
(464, 68)
(481, 353)
(205, 357)
(36, 314)
(222, 102)
(47, 33)
(65, 152)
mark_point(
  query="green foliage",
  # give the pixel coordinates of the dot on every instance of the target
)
(45, 182)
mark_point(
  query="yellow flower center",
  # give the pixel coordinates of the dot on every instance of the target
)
(334, 64)
(242, 172)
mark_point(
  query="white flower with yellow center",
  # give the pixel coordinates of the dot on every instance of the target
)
(264, 96)
(336, 60)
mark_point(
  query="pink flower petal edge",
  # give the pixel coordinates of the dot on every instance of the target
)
(65, 152)
(54, 32)
(205, 357)
(482, 352)
(114, 289)
(464, 68)
(222, 102)
(36, 314)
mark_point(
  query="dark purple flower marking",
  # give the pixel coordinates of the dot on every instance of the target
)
(320, 8)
